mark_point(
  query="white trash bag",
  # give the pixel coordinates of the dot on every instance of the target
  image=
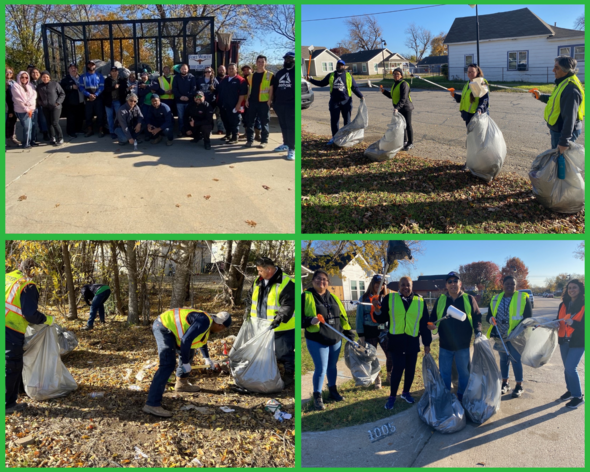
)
(560, 195)
(364, 366)
(44, 374)
(252, 359)
(486, 148)
(354, 132)
(391, 143)
(66, 340)
(535, 345)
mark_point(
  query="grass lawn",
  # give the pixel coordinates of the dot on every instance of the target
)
(344, 192)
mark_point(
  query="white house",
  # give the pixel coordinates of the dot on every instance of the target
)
(372, 62)
(323, 61)
(513, 46)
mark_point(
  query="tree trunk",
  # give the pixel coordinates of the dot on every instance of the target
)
(181, 281)
(115, 269)
(73, 314)
(235, 279)
(133, 316)
(228, 255)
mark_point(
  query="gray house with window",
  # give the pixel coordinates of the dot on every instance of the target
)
(514, 46)
(372, 62)
(323, 61)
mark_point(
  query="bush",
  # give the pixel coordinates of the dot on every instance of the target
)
(444, 70)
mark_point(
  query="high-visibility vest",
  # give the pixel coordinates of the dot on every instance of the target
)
(566, 331)
(402, 321)
(272, 303)
(442, 304)
(348, 83)
(465, 104)
(516, 309)
(15, 283)
(395, 92)
(264, 92)
(165, 85)
(553, 107)
(175, 321)
(310, 311)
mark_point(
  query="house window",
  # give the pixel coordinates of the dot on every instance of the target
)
(469, 59)
(364, 67)
(354, 68)
(579, 53)
(518, 60)
(325, 66)
(357, 288)
(566, 51)
(330, 66)
(376, 67)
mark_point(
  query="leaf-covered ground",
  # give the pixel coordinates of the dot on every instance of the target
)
(344, 192)
(81, 431)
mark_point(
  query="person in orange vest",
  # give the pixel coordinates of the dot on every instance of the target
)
(21, 305)
(182, 331)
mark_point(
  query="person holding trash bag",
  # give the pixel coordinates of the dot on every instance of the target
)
(95, 296)
(342, 86)
(273, 298)
(505, 312)
(22, 302)
(402, 103)
(407, 315)
(181, 330)
(469, 104)
(368, 329)
(564, 112)
(454, 335)
(324, 344)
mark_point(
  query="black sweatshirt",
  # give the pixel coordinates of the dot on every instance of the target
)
(89, 291)
(327, 306)
(404, 96)
(454, 334)
(339, 93)
(577, 337)
(50, 95)
(286, 298)
(29, 302)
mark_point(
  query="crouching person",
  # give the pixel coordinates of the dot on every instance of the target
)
(181, 330)
(198, 120)
(129, 121)
(159, 121)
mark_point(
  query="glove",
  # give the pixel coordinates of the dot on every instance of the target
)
(186, 368)
(349, 334)
(362, 99)
(362, 340)
(478, 334)
(50, 319)
(209, 362)
(395, 112)
(275, 323)
(315, 320)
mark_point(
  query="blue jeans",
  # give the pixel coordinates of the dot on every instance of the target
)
(41, 120)
(505, 363)
(29, 129)
(555, 135)
(445, 364)
(571, 357)
(112, 115)
(168, 133)
(257, 116)
(97, 306)
(325, 359)
(167, 350)
(181, 107)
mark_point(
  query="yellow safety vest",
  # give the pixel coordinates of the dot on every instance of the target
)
(272, 303)
(348, 83)
(310, 311)
(164, 85)
(175, 321)
(402, 321)
(395, 93)
(553, 108)
(442, 303)
(516, 309)
(465, 104)
(15, 283)
(264, 92)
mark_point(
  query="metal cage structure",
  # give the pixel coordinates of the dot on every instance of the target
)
(137, 44)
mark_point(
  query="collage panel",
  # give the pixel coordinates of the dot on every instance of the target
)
(442, 353)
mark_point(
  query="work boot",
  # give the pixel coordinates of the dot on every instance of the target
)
(241, 137)
(248, 144)
(257, 135)
(226, 138)
(89, 132)
(289, 378)
(233, 140)
(157, 411)
(318, 402)
(334, 395)
(378, 382)
(207, 144)
(157, 140)
(183, 385)
(86, 328)
(16, 408)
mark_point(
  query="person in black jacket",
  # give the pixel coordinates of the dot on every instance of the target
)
(129, 121)
(283, 84)
(469, 105)
(198, 120)
(95, 296)
(184, 87)
(11, 117)
(74, 103)
(159, 121)
(402, 104)
(115, 92)
(50, 97)
(231, 93)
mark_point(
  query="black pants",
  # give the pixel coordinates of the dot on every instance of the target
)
(337, 109)
(286, 115)
(75, 118)
(52, 116)
(14, 371)
(261, 111)
(409, 132)
(382, 341)
(94, 108)
(201, 131)
(285, 348)
(403, 362)
(11, 126)
(231, 122)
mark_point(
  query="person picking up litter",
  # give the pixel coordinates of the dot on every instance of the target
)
(181, 330)
(402, 103)
(95, 296)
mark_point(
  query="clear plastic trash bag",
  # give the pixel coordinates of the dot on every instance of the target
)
(252, 359)
(66, 340)
(438, 407)
(391, 143)
(481, 399)
(560, 195)
(486, 148)
(535, 345)
(354, 132)
(364, 365)
(44, 374)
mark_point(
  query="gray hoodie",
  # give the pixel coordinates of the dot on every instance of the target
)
(128, 118)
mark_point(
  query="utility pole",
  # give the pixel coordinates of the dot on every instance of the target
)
(476, 31)
(383, 44)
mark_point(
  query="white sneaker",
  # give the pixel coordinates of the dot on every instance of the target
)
(291, 155)
(281, 148)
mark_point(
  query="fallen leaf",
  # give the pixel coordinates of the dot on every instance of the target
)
(56, 205)
(22, 197)
(251, 223)
(206, 197)
(189, 195)
(216, 180)
(178, 205)
(266, 187)
(231, 167)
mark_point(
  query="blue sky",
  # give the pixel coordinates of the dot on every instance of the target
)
(328, 33)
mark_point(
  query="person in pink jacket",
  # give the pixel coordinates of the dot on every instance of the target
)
(24, 98)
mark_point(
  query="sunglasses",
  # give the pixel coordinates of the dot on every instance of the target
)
(208, 71)
(132, 101)
(453, 281)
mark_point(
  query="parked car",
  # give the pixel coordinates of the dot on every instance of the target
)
(306, 94)
(549, 295)
(531, 296)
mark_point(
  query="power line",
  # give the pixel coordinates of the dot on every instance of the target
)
(371, 14)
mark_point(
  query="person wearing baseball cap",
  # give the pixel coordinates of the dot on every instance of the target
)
(198, 120)
(91, 84)
(115, 93)
(284, 103)
(455, 336)
(160, 121)
(342, 86)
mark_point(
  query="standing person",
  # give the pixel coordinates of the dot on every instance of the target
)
(505, 312)
(35, 75)
(91, 85)
(164, 88)
(198, 120)
(95, 296)
(160, 121)
(129, 122)
(22, 308)
(231, 93)
(247, 72)
(24, 98)
(208, 85)
(11, 118)
(565, 109)
(221, 74)
(402, 104)
(181, 331)
(51, 96)
(273, 298)
(258, 102)
(283, 85)
(132, 84)
(369, 330)
(342, 86)
(184, 88)
(74, 102)
(407, 315)
(322, 343)
(115, 92)
(469, 105)
(144, 93)
(454, 335)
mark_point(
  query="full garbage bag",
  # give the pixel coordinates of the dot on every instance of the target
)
(482, 396)
(535, 345)
(486, 148)
(391, 143)
(252, 359)
(66, 340)
(438, 407)
(363, 364)
(560, 195)
(354, 132)
(44, 374)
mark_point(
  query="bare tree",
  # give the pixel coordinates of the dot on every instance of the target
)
(418, 40)
(364, 32)
(236, 273)
(580, 250)
(117, 283)
(133, 316)
(73, 313)
(277, 19)
(579, 23)
(181, 283)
